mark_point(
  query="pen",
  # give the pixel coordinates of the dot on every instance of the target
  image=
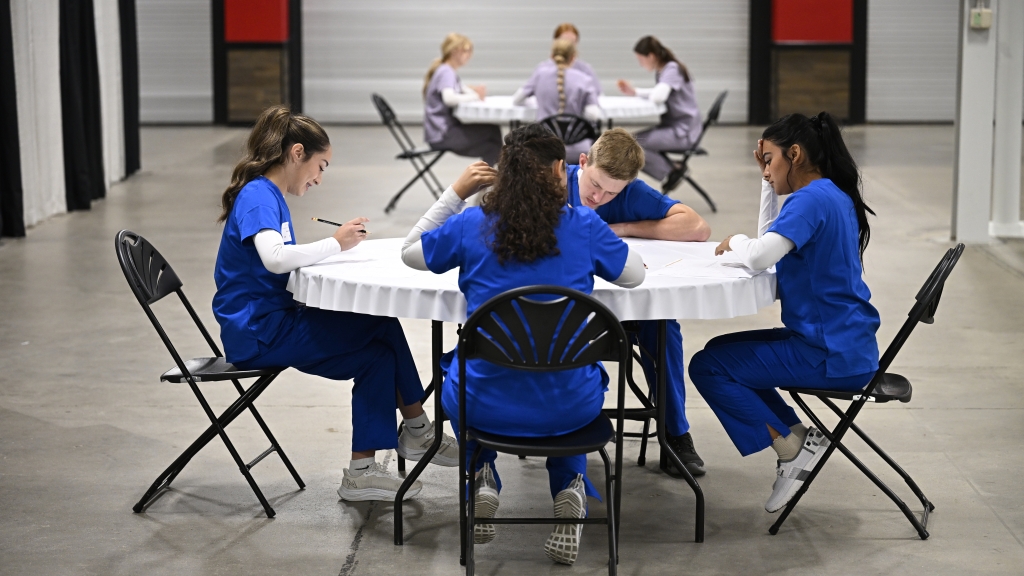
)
(315, 219)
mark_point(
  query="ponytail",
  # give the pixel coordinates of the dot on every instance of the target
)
(451, 43)
(526, 203)
(276, 130)
(563, 52)
(822, 141)
(650, 45)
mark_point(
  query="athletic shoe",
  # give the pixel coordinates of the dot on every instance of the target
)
(563, 544)
(414, 447)
(486, 504)
(375, 483)
(683, 447)
(792, 473)
(672, 180)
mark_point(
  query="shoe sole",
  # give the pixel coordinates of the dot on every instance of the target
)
(414, 455)
(486, 507)
(693, 469)
(563, 545)
(374, 494)
(795, 485)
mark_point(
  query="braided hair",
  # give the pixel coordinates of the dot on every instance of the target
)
(526, 203)
(822, 141)
(563, 52)
(650, 45)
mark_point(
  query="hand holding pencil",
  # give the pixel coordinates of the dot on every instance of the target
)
(349, 234)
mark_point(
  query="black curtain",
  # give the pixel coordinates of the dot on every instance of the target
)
(130, 86)
(80, 103)
(12, 215)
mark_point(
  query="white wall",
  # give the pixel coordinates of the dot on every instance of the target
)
(353, 49)
(912, 60)
(35, 28)
(175, 60)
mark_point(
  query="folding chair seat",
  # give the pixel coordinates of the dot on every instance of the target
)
(570, 129)
(884, 387)
(151, 278)
(516, 330)
(682, 171)
(422, 159)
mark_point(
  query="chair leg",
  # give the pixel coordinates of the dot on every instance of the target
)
(609, 493)
(274, 445)
(394, 199)
(467, 533)
(701, 191)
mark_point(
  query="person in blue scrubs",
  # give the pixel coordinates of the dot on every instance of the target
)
(262, 326)
(606, 181)
(816, 243)
(500, 246)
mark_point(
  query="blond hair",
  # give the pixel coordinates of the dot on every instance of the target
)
(452, 43)
(617, 154)
(566, 27)
(563, 52)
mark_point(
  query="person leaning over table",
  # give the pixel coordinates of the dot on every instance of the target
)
(680, 126)
(560, 89)
(262, 326)
(443, 91)
(566, 31)
(816, 243)
(606, 181)
(523, 234)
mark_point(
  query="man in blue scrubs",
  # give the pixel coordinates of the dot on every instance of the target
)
(606, 181)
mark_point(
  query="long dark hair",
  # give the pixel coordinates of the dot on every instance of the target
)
(822, 141)
(276, 130)
(525, 204)
(650, 45)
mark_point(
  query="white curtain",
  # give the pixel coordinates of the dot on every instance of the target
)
(108, 53)
(36, 33)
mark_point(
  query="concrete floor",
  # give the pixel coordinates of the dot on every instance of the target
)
(85, 426)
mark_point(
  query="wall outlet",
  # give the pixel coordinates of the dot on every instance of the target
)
(981, 18)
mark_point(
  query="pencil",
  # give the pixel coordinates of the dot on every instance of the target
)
(315, 219)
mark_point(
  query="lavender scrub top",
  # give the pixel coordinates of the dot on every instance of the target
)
(437, 117)
(543, 83)
(586, 69)
(682, 112)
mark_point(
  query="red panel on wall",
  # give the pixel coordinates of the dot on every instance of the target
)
(814, 21)
(256, 21)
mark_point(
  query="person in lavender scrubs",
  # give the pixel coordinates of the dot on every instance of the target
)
(566, 31)
(561, 89)
(680, 125)
(442, 92)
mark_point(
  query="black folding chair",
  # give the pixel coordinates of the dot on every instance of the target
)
(570, 129)
(151, 278)
(683, 170)
(517, 330)
(884, 387)
(420, 158)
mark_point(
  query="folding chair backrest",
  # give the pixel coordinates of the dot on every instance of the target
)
(570, 129)
(526, 329)
(151, 278)
(923, 310)
(387, 116)
(712, 116)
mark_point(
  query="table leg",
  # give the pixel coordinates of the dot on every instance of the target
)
(437, 345)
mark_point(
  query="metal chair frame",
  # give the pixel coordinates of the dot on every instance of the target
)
(569, 128)
(884, 387)
(421, 158)
(696, 150)
(151, 278)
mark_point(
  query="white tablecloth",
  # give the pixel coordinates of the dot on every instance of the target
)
(499, 109)
(684, 280)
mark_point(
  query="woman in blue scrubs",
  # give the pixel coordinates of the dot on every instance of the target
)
(262, 326)
(524, 234)
(816, 242)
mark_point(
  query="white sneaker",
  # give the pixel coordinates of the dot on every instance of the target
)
(486, 504)
(792, 473)
(413, 448)
(563, 544)
(375, 483)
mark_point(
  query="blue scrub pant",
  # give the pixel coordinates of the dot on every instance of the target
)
(371, 350)
(675, 387)
(737, 374)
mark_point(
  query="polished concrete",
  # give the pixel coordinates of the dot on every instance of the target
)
(85, 426)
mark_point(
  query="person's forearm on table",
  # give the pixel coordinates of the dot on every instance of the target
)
(280, 258)
(681, 227)
(448, 205)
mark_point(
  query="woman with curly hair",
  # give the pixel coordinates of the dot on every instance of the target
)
(524, 234)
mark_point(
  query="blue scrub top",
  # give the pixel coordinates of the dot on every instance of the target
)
(825, 302)
(251, 303)
(636, 202)
(512, 400)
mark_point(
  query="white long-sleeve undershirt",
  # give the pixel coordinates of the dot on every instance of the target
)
(449, 204)
(769, 247)
(659, 94)
(451, 98)
(281, 258)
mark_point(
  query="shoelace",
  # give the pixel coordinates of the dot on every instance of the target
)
(683, 444)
